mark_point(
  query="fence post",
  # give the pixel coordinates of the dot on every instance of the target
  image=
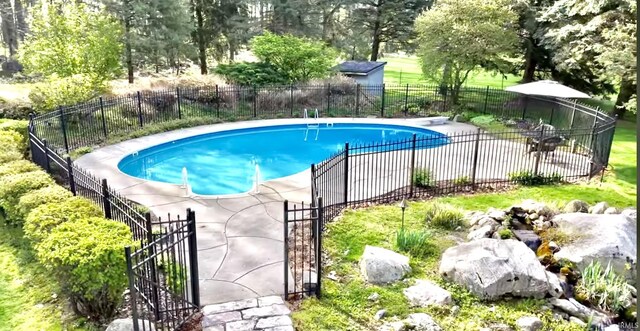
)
(357, 98)
(286, 248)
(72, 183)
(132, 289)
(139, 109)
(539, 153)
(406, 100)
(193, 256)
(413, 164)
(45, 146)
(328, 97)
(255, 101)
(105, 199)
(486, 100)
(553, 109)
(178, 96)
(152, 266)
(217, 102)
(63, 127)
(346, 174)
(104, 120)
(474, 168)
(524, 109)
(573, 115)
(291, 94)
(318, 250)
(382, 106)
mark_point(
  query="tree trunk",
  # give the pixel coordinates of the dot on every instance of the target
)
(202, 49)
(627, 88)
(530, 63)
(127, 41)
(21, 22)
(8, 27)
(375, 44)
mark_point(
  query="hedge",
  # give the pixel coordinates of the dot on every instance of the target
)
(87, 256)
(40, 221)
(33, 199)
(13, 187)
(17, 167)
(12, 146)
(20, 127)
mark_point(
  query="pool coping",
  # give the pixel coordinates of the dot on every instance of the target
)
(103, 162)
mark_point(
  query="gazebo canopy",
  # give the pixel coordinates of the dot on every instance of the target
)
(548, 88)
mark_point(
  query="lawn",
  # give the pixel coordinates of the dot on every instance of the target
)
(344, 303)
(28, 293)
(406, 70)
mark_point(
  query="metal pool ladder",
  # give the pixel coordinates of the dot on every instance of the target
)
(311, 125)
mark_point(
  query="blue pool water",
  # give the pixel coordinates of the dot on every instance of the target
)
(224, 162)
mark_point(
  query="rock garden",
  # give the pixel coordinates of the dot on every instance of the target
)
(530, 266)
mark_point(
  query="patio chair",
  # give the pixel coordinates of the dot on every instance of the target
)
(545, 145)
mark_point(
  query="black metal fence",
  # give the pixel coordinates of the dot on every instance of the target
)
(164, 291)
(302, 249)
(97, 121)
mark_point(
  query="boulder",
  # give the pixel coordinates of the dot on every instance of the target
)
(529, 323)
(422, 322)
(460, 119)
(382, 266)
(630, 213)
(599, 208)
(497, 215)
(576, 309)
(491, 268)
(425, 293)
(535, 207)
(603, 238)
(555, 287)
(126, 324)
(529, 238)
(576, 206)
(612, 210)
(11, 66)
(481, 232)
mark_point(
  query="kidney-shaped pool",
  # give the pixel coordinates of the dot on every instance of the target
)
(224, 162)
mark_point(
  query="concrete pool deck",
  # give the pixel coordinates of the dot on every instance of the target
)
(240, 237)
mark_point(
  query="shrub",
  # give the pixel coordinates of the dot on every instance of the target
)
(40, 221)
(483, 120)
(12, 146)
(422, 177)
(14, 110)
(65, 91)
(415, 243)
(505, 234)
(444, 216)
(603, 288)
(80, 151)
(13, 187)
(87, 257)
(462, 180)
(528, 178)
(17, 167)
(251, 73)
(33, 199)
(20, 127)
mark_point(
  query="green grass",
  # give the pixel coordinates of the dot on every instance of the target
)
(406, 70)
(28, 294)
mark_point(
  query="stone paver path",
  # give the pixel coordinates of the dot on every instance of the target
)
(264, 313)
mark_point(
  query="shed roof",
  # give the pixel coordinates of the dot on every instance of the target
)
(359, 67)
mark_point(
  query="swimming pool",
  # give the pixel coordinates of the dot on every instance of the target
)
(224, 162)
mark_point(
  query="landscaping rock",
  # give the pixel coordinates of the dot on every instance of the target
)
(599, 208)
(374, 296)
(611, 210)
(382, 266)
(497, 215)
(460, 119)
(612, 327)
(517, 225)
(425, 293)
(126, 324)
(492, 268)
(555, 287)
(576, 309)
(529, 323)
(576, 206)
(630, 213)
(529, 238)
(533, 216)
(573, 319)
(603, 238)
(422, 322)
(480, 233)
(379, 314)
(553, 246)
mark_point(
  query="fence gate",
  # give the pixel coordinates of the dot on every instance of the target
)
(163, 276)
(302, 249)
